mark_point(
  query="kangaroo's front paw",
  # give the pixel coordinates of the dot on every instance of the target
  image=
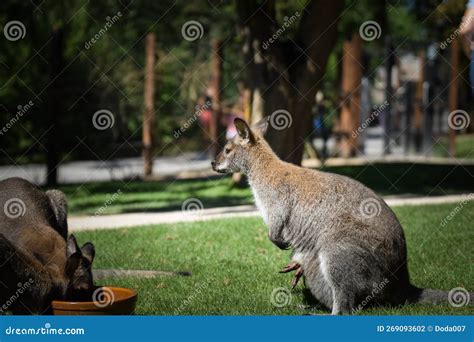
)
(294, 267)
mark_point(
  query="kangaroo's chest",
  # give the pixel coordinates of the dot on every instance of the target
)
(261, 205)
(272, 204)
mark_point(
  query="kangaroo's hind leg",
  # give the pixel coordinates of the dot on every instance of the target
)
(342, 295)
(351, 272)
(317, 282)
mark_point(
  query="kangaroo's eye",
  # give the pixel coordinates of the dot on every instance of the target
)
(227, 150)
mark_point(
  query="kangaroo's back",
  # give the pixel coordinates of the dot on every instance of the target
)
(24, 205)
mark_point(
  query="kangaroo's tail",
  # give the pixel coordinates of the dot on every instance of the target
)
(457, 297)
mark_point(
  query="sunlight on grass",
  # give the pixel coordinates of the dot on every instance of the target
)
(235, 267)
(464, 147)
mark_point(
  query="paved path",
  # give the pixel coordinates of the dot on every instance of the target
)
(115, 169)
(186, 165)
(81, 223)
(143, 219)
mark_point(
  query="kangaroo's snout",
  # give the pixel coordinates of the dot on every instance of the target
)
(219, 166)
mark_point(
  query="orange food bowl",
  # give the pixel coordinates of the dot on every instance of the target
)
(106, 300)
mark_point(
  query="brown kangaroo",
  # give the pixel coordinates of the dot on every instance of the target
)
(33, 250)
(345, 239)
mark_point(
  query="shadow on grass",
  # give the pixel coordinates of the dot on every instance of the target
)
(207, 202)
(417, 179)
(158, 196)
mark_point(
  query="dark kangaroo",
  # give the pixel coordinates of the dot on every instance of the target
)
(34, 250)
(345, 238)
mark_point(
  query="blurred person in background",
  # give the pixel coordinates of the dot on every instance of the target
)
(236, 111)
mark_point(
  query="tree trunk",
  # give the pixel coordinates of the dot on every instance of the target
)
(387, 120)
(351, 81)
(149, 97)
(453, 92)
(54, 106)
(247, 105)
(429, 89)
(410, 86)
(238, 179)
(419, 102)
(216, 127)
(284, 76)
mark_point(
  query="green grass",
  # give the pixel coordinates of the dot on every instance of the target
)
(384, 178)
(464, 147)
(235, 267)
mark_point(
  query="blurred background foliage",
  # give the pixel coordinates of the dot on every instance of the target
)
(109, 74)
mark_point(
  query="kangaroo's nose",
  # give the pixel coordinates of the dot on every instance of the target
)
(213, 163)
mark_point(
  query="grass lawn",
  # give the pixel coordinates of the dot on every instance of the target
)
(464, 147)
(235, 267)
(386, 179)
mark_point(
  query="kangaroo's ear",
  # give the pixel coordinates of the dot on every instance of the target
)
(72, 264)
(243, 130)
(261, 126)
(88, 251)
(72, 246)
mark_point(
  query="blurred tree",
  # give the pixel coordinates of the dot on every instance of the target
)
(54, 105)
(149, 99)
(286, 46)
(216, 95)
(286, 62)
(350, 107)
